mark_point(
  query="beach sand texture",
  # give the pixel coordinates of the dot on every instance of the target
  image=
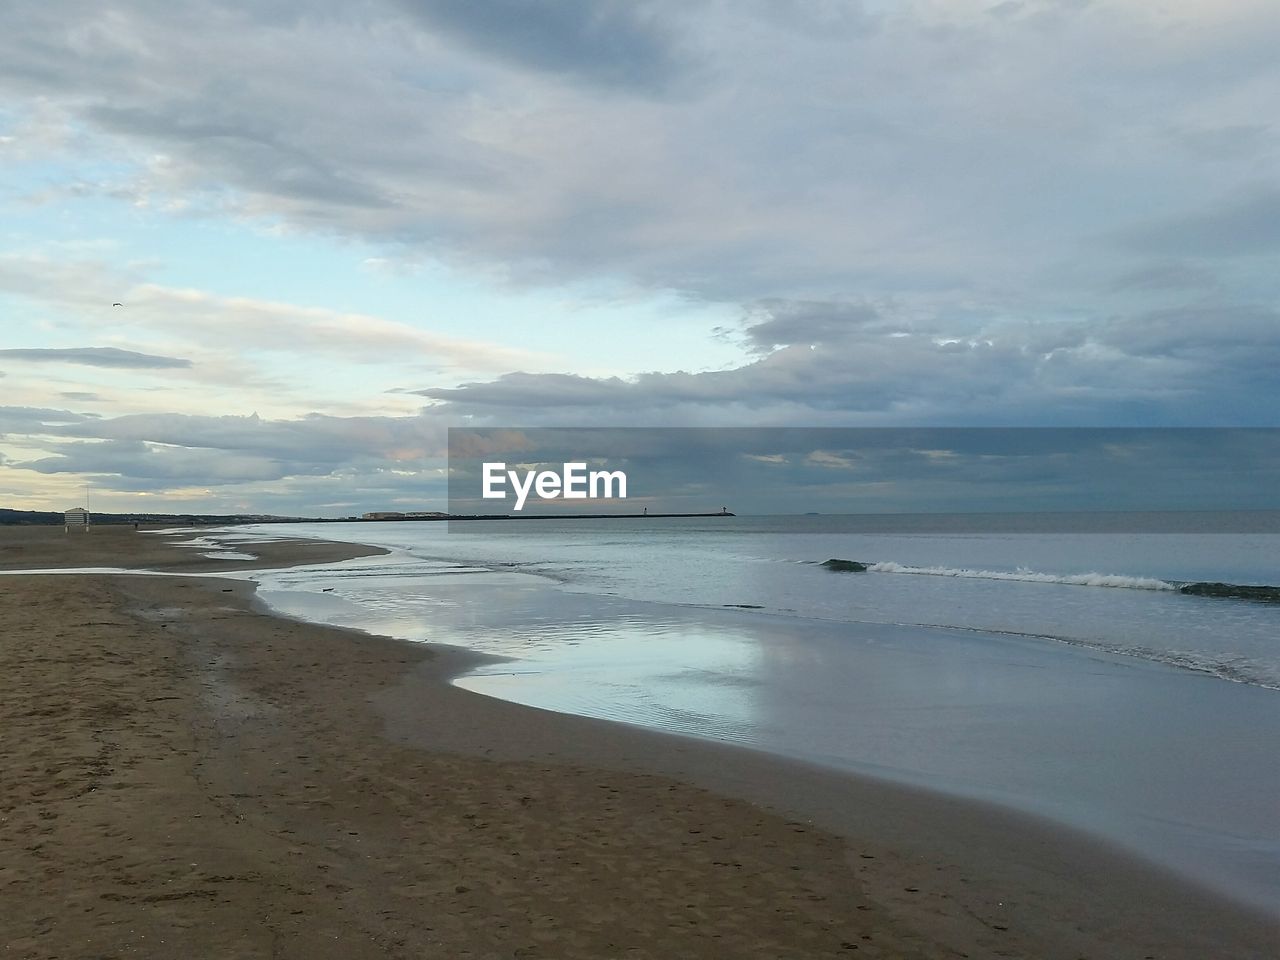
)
(182, 775)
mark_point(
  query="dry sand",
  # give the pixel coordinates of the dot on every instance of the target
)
(182, 775)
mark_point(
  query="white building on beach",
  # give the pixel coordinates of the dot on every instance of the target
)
(76, 517)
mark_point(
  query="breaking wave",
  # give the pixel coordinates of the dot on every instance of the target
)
(1029, 576)
(1260, 593)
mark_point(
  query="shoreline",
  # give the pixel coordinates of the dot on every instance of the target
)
(1031, 874)
(920, 874)
(1070, 735)
(34, 547)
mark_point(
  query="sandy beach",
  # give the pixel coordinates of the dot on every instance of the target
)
(182, 774)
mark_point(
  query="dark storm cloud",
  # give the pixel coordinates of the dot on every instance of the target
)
(618, 43)
(98, 357)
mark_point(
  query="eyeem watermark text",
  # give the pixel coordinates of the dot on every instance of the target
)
(574, 482)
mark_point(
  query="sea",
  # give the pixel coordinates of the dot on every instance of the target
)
(1050, 663)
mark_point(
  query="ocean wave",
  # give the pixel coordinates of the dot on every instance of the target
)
(1235, 668)
(1261, 593)
(1117, 581)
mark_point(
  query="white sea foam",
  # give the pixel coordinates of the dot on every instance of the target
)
(1029, 576)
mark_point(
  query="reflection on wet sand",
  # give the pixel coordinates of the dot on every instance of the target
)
(1130, 750)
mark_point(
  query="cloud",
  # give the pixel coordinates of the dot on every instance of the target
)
(331, 441)
(98, 357)
(353, 464)
(616, 43)
(1244, 226)
(1226, 143)
(817, 156)
(807, 322)
(265, 163)
(140, 462)
(244, 323)
(289, 327)
(29, 420)
(1165, 275)
(163, 452)
(924, 212)
(1207, 364)
(513, 390)
(932, 469)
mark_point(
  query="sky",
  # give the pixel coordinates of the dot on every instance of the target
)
(757, 471)
(336, 230)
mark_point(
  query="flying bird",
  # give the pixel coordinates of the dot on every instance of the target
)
(117, 304)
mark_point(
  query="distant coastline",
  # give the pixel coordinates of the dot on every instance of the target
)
(52, 518)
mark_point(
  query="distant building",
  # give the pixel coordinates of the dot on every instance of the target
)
(76, 517)
(383, 515)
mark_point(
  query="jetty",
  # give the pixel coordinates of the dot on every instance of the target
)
(552, 516)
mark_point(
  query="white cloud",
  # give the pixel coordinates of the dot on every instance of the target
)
(214, 320)
(931, 145)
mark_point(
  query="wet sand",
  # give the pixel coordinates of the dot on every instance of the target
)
(183, 775)
(40, 547)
